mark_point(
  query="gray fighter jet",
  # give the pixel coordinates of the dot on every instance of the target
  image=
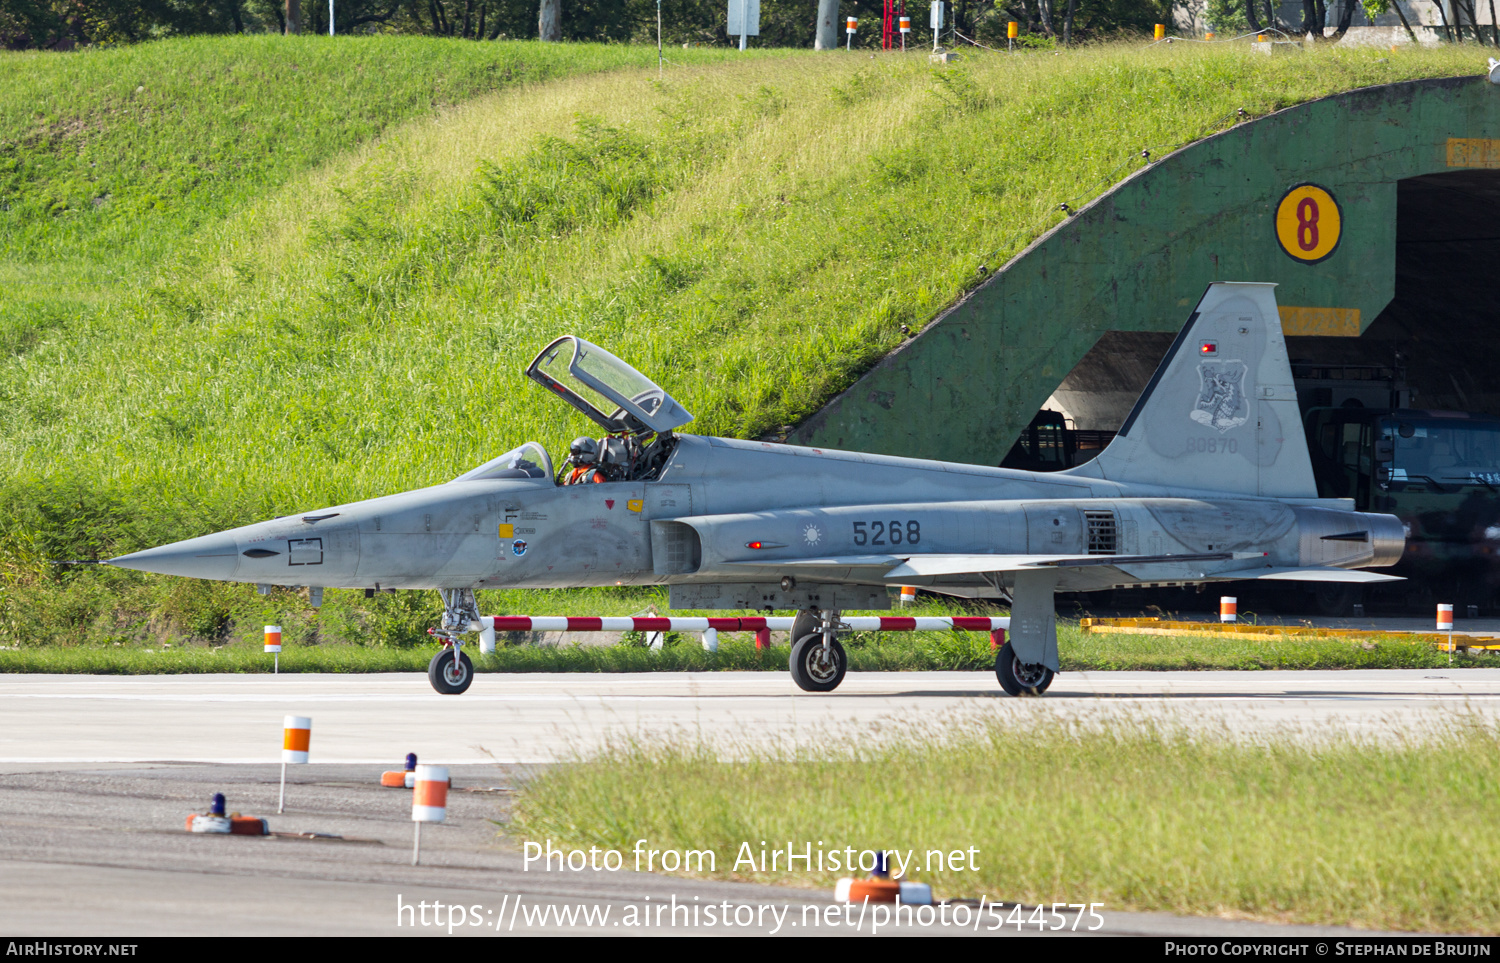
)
(1208, 479)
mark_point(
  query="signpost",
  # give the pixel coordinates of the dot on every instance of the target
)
(744, 19)
(935, 21)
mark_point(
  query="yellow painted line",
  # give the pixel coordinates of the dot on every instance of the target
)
(1247, 631)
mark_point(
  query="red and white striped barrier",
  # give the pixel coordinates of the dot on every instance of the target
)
(492, 624)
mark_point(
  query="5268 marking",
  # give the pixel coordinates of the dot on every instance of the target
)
(1214, 446)
(893, 532)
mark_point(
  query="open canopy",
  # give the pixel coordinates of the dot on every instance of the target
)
(595, 381)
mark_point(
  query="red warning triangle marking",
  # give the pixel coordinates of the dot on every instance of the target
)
(609, 503)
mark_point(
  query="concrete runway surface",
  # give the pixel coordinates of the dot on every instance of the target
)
(98, 773)
(539, 718)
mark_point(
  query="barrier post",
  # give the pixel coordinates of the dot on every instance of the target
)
(296, 738)
(1229, 608)
(273, 646)
(429, 803)
(1445, 624)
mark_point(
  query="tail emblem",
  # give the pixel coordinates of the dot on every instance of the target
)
(1221, 399)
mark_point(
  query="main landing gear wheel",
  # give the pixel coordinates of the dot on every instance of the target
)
(815, 670)
(450, 673)
(1020, 678)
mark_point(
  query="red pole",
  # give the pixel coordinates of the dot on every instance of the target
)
(997, 639)
(887, 37)
(762, 639)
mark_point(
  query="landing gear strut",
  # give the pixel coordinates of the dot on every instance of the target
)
(818, 662)
(450, 671)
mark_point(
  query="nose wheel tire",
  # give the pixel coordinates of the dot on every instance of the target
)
(1020, 678)
(448, 674)
(814, 670)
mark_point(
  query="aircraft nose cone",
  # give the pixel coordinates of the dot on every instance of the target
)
(210, 556)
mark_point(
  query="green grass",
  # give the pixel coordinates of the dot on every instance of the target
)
(317, 268)
(1133, 815)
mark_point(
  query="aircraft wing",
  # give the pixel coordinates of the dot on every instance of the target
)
(896, 567)
(976, 564)
(1310, 575)
(903, 566)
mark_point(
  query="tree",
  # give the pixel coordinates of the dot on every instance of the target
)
(549, 21)
(827, 37)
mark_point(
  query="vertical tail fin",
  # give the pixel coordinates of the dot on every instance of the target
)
(1220, 413)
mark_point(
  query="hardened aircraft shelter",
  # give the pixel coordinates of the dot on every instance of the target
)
(1377, 212)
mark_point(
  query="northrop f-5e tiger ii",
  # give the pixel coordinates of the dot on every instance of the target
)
(1208, 480)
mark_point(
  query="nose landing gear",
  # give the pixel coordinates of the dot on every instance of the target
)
(450, 671)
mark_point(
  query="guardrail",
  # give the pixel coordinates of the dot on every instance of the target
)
(710, 628)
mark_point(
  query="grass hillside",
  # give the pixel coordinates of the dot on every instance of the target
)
(303, 283)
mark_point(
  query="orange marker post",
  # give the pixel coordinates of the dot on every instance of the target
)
(273, 645)
(908, 594)
(1161, 31)
(905, 29)
(429, 803)
(1445, 624)
(296, 737)
(849, 26)
(1229, 608)
(1012, 30)
(1209, 35)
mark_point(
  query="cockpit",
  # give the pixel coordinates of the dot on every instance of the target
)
(638, 432)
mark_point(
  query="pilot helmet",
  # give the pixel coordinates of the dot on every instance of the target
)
(583, 451)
